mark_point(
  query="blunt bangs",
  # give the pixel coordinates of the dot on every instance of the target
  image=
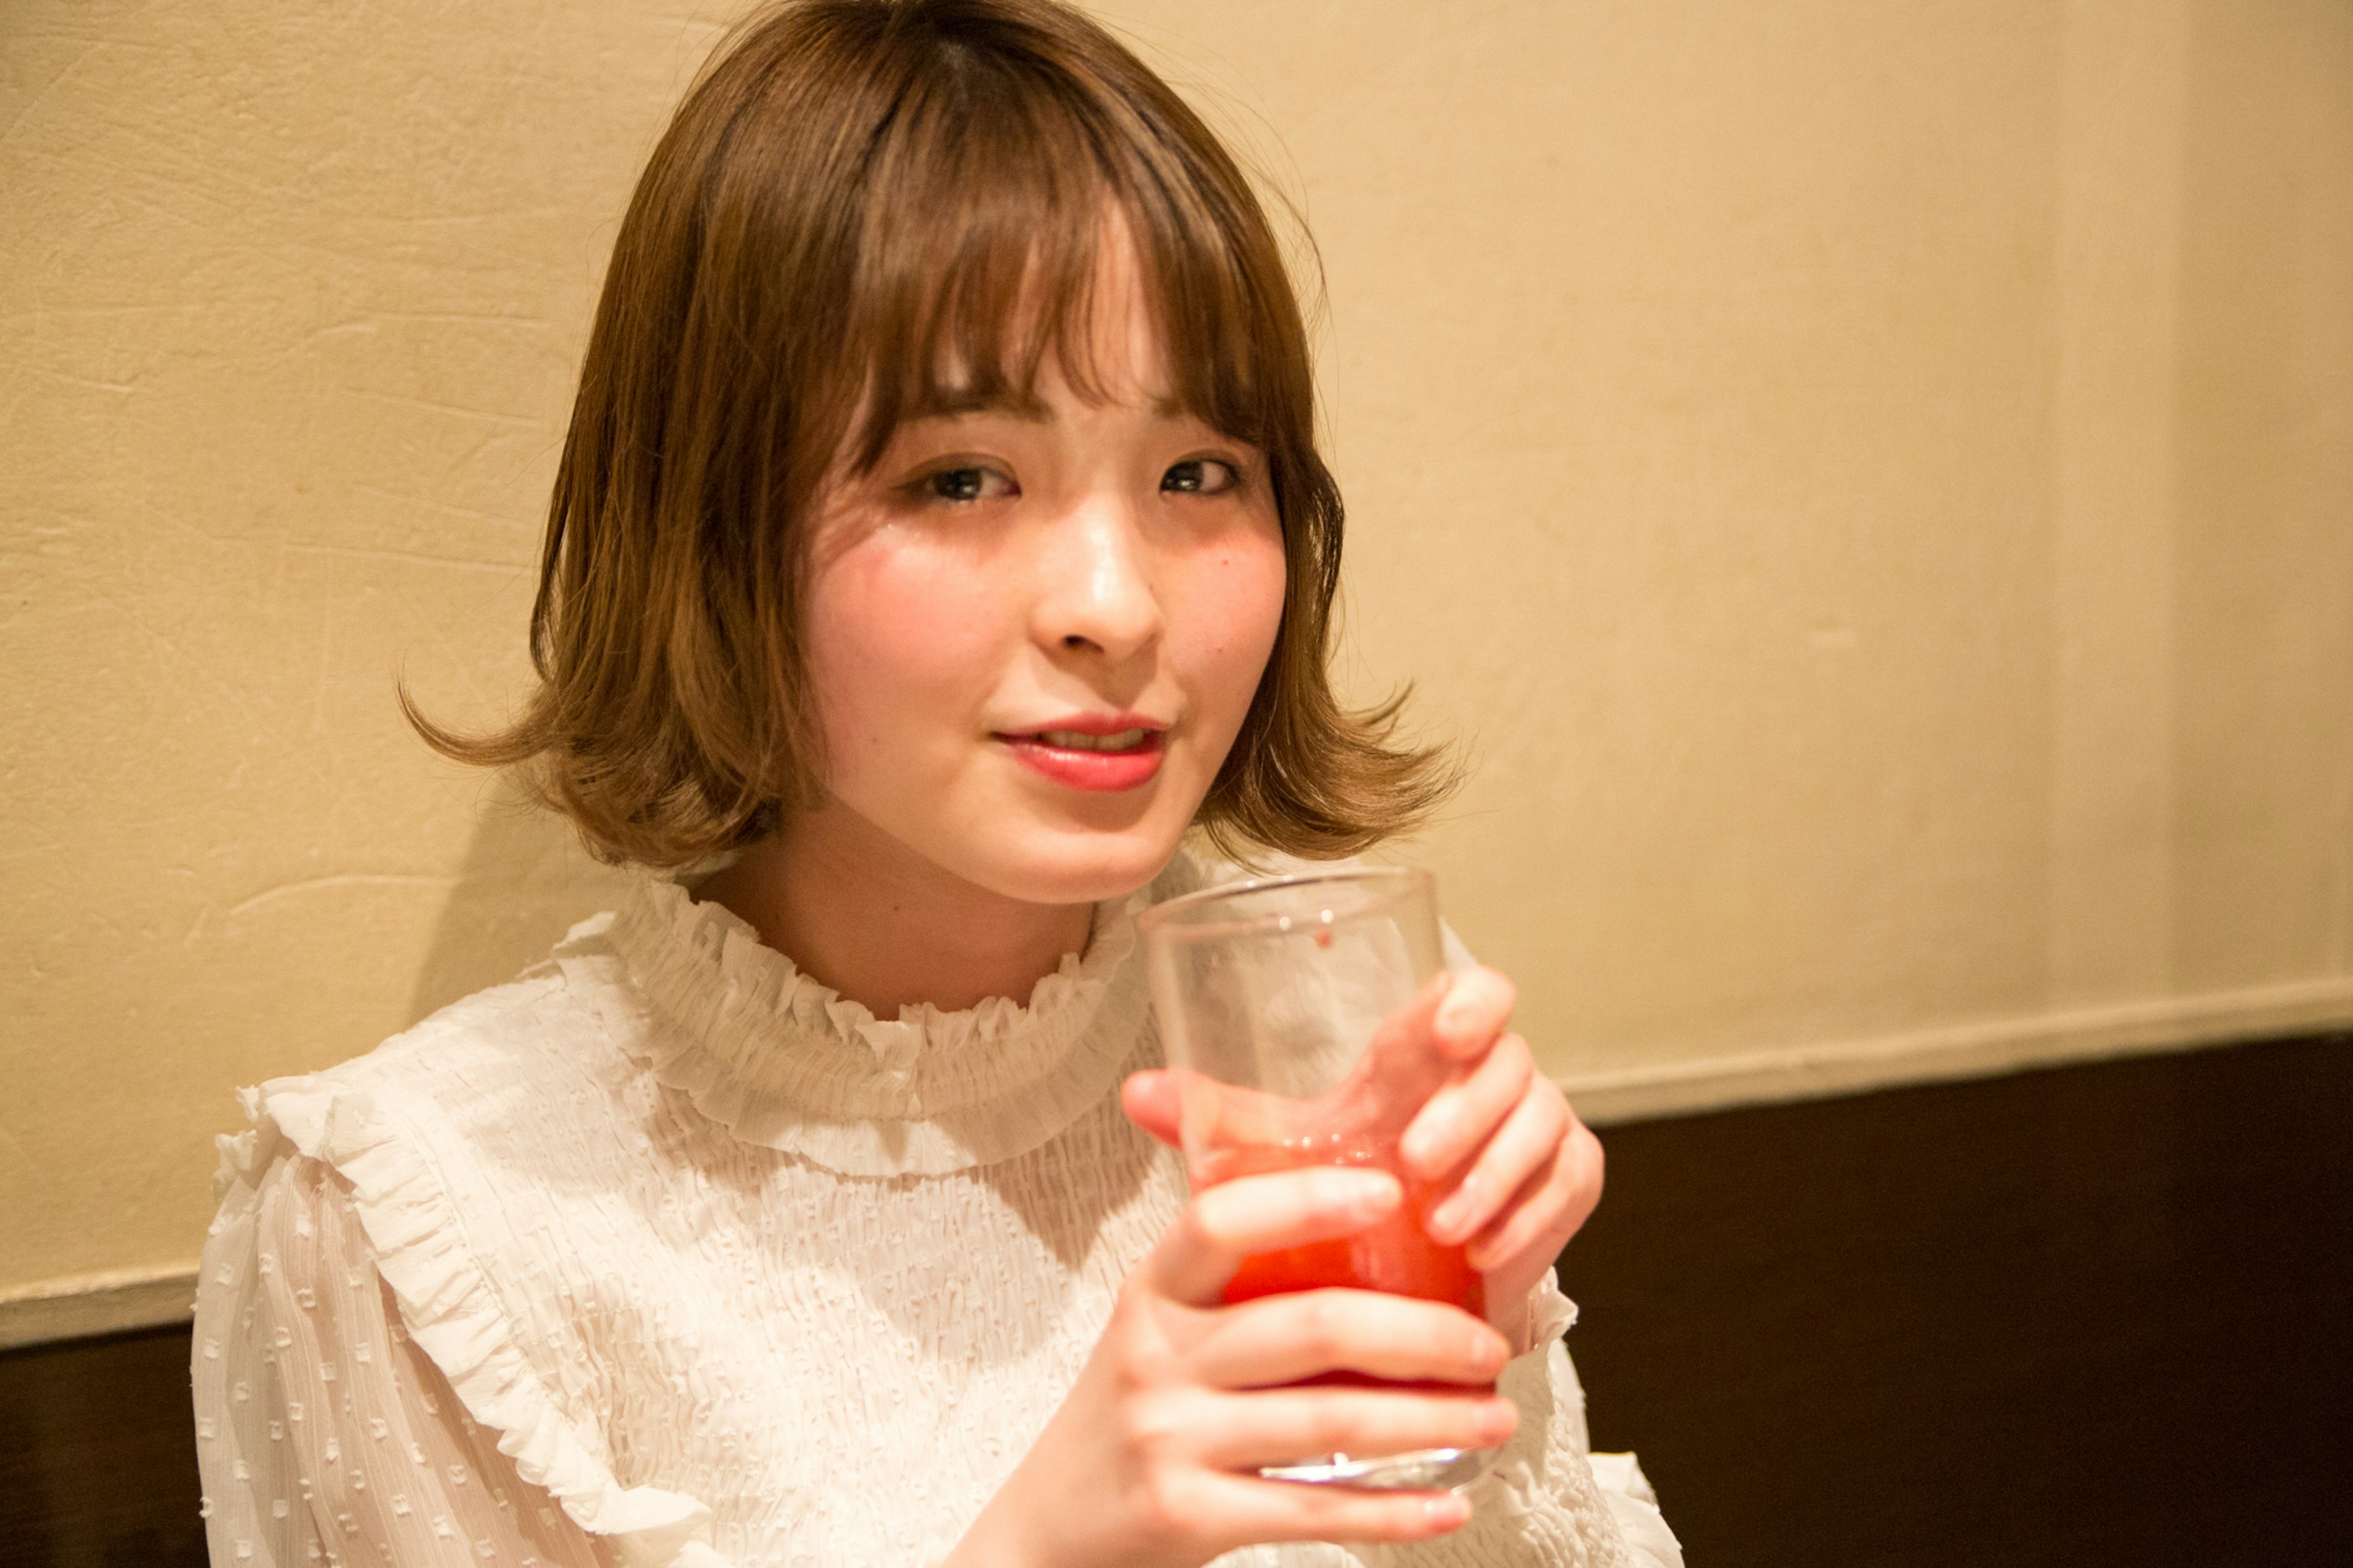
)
(992, 190)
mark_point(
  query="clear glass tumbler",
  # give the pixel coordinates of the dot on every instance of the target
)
(1276, 1001)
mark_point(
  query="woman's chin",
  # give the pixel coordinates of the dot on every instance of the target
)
(1077, 867)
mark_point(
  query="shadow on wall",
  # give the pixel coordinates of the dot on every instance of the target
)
(526, 881)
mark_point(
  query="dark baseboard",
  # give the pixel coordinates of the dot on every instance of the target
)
(98, 1455)
(2095, 1315)
(2092, 1316)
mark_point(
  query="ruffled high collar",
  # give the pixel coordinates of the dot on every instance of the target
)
(782, 1060)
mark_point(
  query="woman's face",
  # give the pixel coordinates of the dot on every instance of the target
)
(1033, 634)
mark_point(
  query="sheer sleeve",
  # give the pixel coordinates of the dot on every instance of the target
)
(324, 1434)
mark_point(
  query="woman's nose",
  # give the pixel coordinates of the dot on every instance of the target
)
(1096, 591)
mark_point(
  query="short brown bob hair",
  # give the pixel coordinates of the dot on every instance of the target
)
(856, 196)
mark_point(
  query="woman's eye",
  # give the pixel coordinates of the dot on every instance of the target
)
(1200, 476)
(966, 485)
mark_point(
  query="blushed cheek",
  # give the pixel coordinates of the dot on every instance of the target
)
(887, 644)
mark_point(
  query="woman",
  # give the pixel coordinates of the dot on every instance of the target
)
(940, 538)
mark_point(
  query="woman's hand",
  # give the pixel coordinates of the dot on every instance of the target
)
(1509, 1167)
(1149, 1460)
(1517, 1171)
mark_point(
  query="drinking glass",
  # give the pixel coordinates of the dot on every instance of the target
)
(1278, 1003)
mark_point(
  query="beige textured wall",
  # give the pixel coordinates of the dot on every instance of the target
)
(1873, 484)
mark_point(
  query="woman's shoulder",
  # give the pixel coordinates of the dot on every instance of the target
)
(569, 999)
(552, 1036)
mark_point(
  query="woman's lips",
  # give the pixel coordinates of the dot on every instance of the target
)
(1089, 770)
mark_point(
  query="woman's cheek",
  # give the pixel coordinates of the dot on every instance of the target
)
(1245, 601)
(888, 631)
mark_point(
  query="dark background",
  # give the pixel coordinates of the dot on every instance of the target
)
(2089, 1316)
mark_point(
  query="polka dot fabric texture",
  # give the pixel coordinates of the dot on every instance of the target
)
(666, 1255)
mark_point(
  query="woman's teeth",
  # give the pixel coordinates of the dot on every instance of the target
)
(1071, 740)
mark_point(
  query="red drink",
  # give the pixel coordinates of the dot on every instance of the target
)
(1396, 1256)
(1297, 1016)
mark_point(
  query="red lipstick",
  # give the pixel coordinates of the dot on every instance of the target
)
(1081, 767)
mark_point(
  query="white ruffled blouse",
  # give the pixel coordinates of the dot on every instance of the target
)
(665, 1254)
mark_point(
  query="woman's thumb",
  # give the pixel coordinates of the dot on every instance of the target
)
(1150, 1101)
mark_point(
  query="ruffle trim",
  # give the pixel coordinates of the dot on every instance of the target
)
(1514, 1487)
(451, 1310)
(1551, 1314)
(782, 1060)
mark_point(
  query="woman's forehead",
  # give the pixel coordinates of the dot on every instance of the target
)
(1115, 353)
(1107, 345)
(1012, 324)
(1110, 342)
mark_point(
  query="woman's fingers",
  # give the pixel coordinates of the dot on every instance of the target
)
(1283, 1339)
(1150, 1099)
(1552, 1204)
(1451, 1019)
(1276, 1427)
(1259, 1511)
(1476, 1007)
(1252, 1215)
(1457, 1117)
(1525, 1143)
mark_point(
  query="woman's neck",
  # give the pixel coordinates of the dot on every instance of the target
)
(860, 911)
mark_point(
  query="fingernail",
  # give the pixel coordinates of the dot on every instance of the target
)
(1448, 1511)
(1447, 1220)
(1370, 1192)
(1424, 1139)
(1455, 1014)
(1453, 1018)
